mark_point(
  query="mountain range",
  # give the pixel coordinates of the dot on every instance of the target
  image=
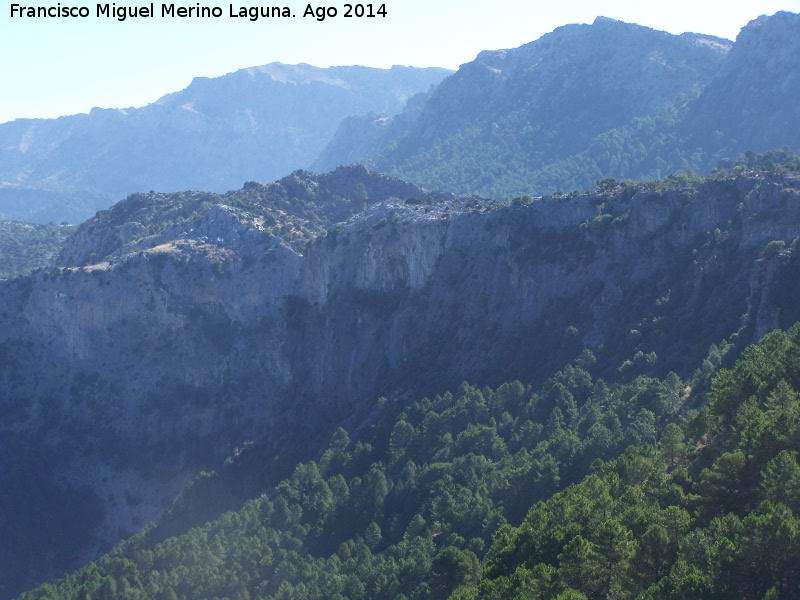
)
(350, 385)
(610, 99)
(257, 123)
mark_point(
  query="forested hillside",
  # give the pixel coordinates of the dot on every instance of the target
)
(25, 247)
(584, 102)
(713, 512)
(614, 308)
(700, 504)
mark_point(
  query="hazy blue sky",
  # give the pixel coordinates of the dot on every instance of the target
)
(52, 67)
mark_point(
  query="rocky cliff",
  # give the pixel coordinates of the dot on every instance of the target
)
(298, 207)
(121, 378)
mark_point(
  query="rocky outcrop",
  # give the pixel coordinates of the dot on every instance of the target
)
(355, 138)
(178, 347)
(303, 202)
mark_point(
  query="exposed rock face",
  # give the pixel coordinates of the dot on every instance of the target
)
(304, 202)
(258, 123)
(138, 370)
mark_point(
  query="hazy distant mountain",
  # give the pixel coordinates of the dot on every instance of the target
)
(255, 124)
(590, 101)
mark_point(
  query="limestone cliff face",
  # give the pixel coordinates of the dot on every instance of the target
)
(140, 369)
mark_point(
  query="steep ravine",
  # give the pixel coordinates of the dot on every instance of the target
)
(129, 375)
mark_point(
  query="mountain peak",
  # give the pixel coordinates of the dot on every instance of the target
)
(548, 98)
(778, 33)
(601, 21)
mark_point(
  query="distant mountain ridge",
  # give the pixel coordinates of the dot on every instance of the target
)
(586, 102)
(581, 103)
(259, 123)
